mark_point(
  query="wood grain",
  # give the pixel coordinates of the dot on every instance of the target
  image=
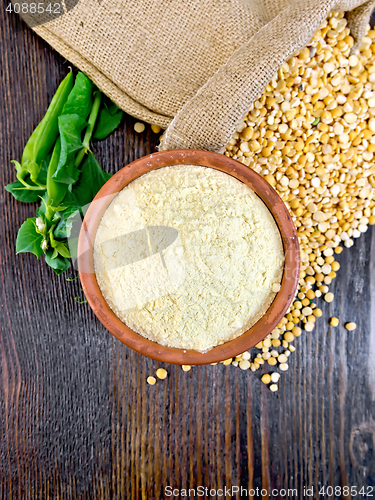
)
(77, 418)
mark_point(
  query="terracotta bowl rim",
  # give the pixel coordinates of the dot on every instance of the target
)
(230, 349)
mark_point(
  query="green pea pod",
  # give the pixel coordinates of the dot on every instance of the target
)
(44, 136)
(56, 191)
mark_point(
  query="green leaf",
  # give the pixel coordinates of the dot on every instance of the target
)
(28, 240)
(58, 264)
(59, 247)
(19, 169)
(68, 174)
(80, 98)
(47, 209)
(52, 240)
(64, 227)
(91, 180)
(22, 172)
(27, 174)
(41, 212)
(42, 177)
(31, 168)
(110, 105)
(31, 175)
(63, 250)
(70, 127)
(109, 119)
(21, 193)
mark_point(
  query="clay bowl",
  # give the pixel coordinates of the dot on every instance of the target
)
(207, 159)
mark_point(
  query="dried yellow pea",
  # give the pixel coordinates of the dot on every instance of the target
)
(161, 373)
(139, 127)
(266, 378)
(334, 321)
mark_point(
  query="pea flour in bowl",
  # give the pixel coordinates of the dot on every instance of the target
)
(188, 257)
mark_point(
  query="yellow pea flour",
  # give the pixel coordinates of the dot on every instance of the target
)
(188, 256)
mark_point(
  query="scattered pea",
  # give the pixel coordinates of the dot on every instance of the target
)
(282, 359)
(266, 378)
(244, 365)
(151, 380)
(155, 128)
(296, 331)
(288, 336)
(139, 127)
(227, 362)
(161, 373)
(266, 342)
(317, 312)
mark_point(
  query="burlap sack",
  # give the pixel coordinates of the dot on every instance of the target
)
(193, 66)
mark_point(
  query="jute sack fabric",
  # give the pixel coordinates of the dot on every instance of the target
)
(191, 66)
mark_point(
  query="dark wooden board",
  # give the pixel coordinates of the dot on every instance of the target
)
(77, 418)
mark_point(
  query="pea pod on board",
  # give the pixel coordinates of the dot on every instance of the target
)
(56, 191)
(44, 136)
(59, 169)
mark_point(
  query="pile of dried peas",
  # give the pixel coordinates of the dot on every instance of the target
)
(311, 135)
